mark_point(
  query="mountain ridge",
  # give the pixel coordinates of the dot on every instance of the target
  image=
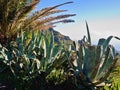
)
(59, 37)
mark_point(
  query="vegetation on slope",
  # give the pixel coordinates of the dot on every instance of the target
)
(31, 59)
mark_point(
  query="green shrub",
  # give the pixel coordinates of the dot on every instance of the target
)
(113, 80)
(90, 64)
(27, 62)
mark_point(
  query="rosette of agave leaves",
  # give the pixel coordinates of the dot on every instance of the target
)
(92, 64)
(30, 59)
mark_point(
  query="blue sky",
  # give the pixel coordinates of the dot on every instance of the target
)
(88, 9)
(103, 17)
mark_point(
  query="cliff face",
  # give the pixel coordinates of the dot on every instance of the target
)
(59, 37)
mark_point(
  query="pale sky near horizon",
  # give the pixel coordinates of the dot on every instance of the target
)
(103, 17)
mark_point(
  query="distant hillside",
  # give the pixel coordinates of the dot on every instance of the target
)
(60, 37)
(119, 53)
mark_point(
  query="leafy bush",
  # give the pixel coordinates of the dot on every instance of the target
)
(90, 64)
(28, 61)
(113, 81)
(34, 61)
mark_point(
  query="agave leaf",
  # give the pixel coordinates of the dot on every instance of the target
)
(108, 61)
(51, 45)
(106, 42)
(80, 57)
(88, 33)
(57, 62)
(91, 59)
(74, 44)
(38, 64)
(20, 44)
(3, 55)
(85, 61)
(43, 61)
(12, 70)
(44, 47)
(38, 41)
(117, 37)
(32, 67)
(32, 45)
(105, 63)
(113, 52)
(107, 73)
(101, 41)
(56, 54)
(97, 63)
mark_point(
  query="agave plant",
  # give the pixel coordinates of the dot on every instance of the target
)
(16, 15)
(92, 64)
(29, 60)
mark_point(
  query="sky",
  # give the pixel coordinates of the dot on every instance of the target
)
(103, 17)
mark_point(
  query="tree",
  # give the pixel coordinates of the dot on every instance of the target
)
(15, 15)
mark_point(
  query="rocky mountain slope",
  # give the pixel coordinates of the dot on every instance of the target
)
(60, 37)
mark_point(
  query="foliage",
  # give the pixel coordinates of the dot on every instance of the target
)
(91, 65)
(114, 78)
(34, 61)
(18, 14)
(30, 60)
